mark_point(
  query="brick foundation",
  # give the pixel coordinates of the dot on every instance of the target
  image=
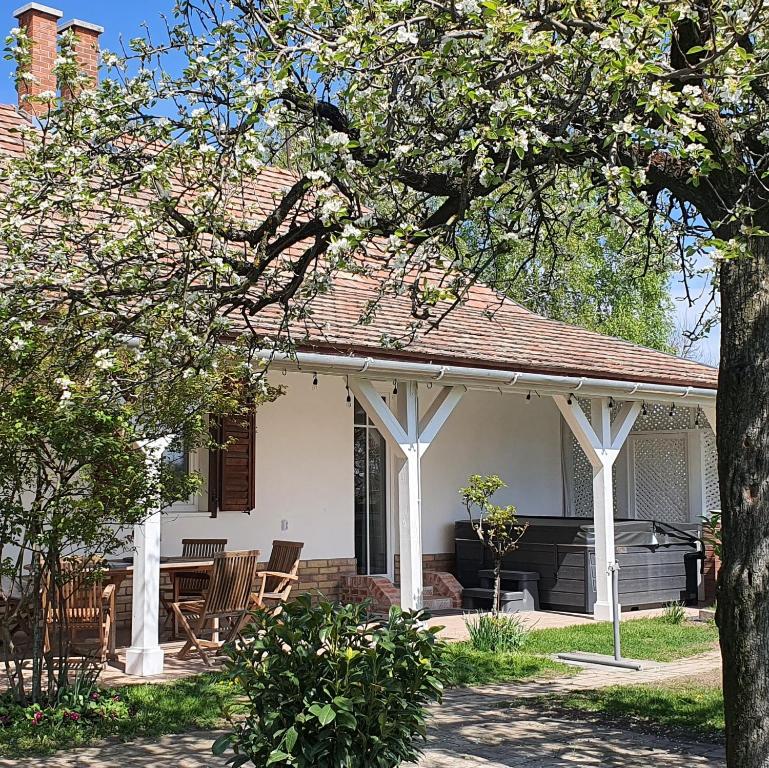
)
(379, 589)
(442, 561)
(444, 585)
(318, 577)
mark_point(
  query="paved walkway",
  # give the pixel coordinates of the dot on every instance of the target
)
(473, 730)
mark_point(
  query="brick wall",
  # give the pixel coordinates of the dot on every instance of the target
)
(442, 561)
(315, 576)
(325, 576)
(444, 585)
(379, 589)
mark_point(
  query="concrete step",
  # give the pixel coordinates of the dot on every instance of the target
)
(437, 603)
(430, 601)
(427, 592)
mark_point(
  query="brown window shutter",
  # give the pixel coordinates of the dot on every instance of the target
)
(232, 470)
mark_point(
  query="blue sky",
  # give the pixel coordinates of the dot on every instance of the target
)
(124, 18)
(118, 17)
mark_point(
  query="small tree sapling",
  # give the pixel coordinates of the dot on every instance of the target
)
(497, 527)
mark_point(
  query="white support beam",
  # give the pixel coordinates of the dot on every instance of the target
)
(601, 440)
(623, 424)
(438, 413)
(377, 410)
(410, 439)
(581, 428)
(145, 656)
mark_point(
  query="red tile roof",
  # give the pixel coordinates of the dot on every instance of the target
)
(486, 330)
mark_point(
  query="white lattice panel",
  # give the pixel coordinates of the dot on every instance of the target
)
(582, 497)
(659, 417)
(582, 504)
(662, 488)
(660, 468)
(710, 469)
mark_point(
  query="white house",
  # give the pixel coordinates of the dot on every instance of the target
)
(363, 456)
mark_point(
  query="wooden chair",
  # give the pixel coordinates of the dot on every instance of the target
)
(83, 605)
(281, 574)
(190, 585)
(228, 597)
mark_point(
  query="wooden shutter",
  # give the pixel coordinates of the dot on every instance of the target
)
(232, 470)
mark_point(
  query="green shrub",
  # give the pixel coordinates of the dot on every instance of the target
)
(332, 687)
(70, 718)
(674, 613)
(503, 633)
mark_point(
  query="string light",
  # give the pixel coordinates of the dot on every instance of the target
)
(672, 409)
(314, 380)
(395, 386)
(528, 395)
(611, 403)
(569, 398)
(697, 417)
(347, 387)
(644, 409)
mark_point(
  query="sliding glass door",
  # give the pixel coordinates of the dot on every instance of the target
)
(370, 496)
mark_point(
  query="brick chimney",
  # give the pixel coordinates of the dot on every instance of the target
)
(86, 48)
(39, 21)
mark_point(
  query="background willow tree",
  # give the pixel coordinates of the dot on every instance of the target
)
(414, 122)
(593, 271)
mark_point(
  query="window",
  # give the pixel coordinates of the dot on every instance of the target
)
(370, 455)
(177, 457)
(181, 462)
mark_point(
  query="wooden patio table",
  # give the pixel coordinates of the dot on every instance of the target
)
(119, 570)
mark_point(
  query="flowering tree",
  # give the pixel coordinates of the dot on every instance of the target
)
(75, 409)
(413, 128)
(103, 351)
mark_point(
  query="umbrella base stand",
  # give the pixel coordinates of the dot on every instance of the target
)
(606, 661)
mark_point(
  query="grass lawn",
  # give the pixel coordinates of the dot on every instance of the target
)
(471, 667)
(692, 708)
(652, 639)
(196, 703)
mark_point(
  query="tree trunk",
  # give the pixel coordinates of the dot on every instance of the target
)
(496, 602)
(743, 468)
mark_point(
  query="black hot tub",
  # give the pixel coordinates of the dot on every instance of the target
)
(658, 562)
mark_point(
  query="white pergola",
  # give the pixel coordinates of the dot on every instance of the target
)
(410, 434)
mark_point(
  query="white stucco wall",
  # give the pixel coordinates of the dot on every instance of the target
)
(489, 433)
(304, 472)
(304, 476)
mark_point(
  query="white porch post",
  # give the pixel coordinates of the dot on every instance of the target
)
(601, 440)
(145, 656)
(410, 438)
(410, 502)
